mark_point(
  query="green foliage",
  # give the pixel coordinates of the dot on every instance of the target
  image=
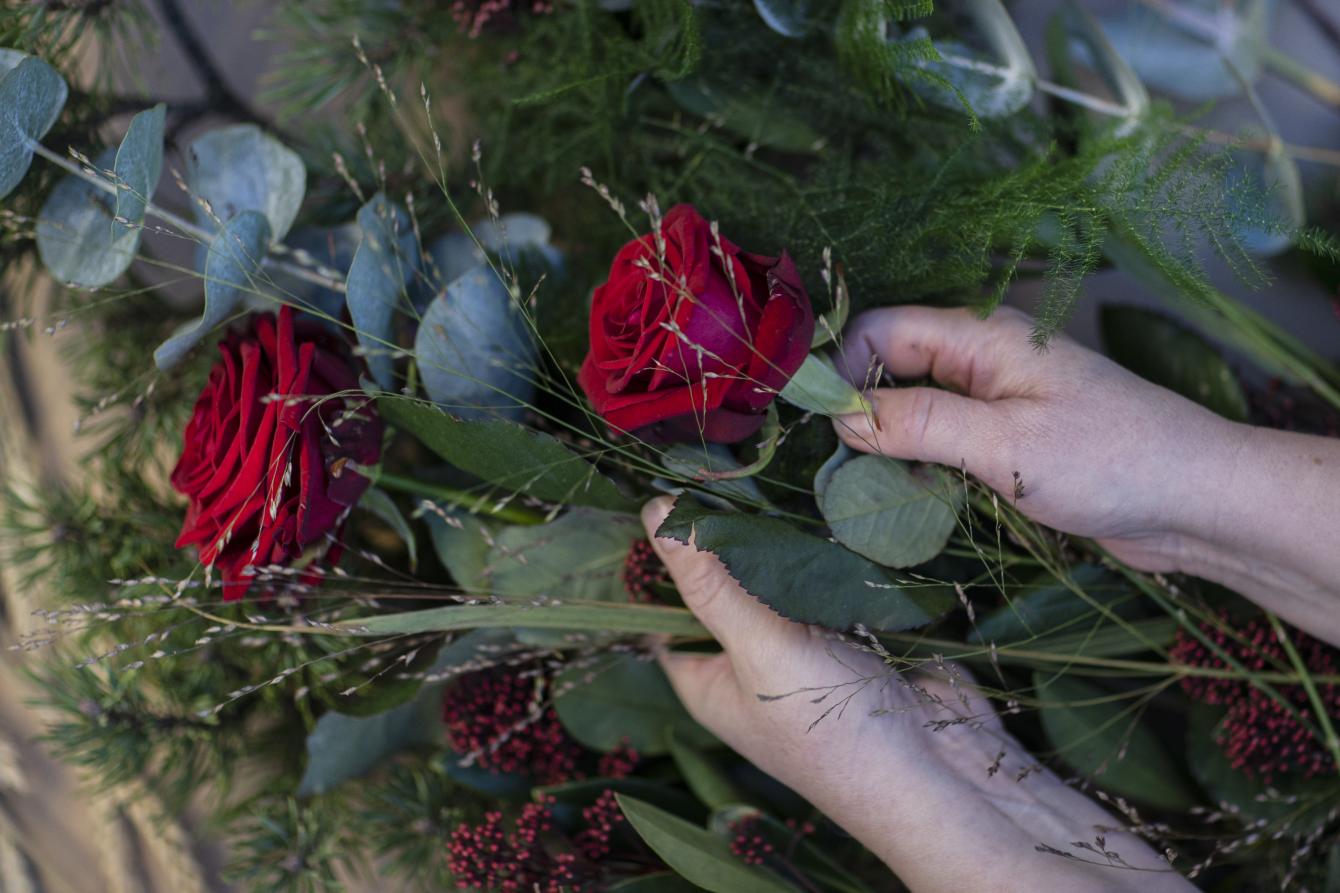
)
(892, 514)
(344, 747)
(785, 568)
(292, 846)
(580, 555)
(382, 266)
(32, 94)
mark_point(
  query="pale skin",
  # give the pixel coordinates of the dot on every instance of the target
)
(1160, 482)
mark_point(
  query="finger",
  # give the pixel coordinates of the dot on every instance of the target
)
(954, 346)
(733, 616)
(931, 425)
(706, 685)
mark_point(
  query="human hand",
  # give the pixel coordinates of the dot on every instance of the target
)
(920, 770)
(1081, 445)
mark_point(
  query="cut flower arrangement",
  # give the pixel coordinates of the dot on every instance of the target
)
(364, 525)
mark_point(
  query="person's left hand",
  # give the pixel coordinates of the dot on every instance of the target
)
(920, 770)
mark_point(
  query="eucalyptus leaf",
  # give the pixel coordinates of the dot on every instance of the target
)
(231, 266)
(380, 503)
(571, 615)
(1187, 48)
(86, 236)
(623, 700)
(789, 18)
(462, 542)
(515, 458)
(824, 475)
(702, 463)
(803, 577)
(1084, 39)
(1107, 742)
(375, 288)
(344, 747)
(698, 855)
(237, 169)
(883, 509)
(32, 95)
(579, 555)
(818, 387)
(1158, 348)
(994, 84)
(475, 355)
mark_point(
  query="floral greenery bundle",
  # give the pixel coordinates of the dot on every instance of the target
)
(362, 562)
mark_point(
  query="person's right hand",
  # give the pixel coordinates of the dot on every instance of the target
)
(1080, 444)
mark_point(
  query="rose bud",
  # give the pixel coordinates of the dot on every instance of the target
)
(692, 338)
(267, 455)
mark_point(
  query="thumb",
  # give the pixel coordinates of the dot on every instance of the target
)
(928, 425)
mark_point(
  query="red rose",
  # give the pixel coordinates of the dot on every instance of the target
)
(695, 343)
(264, 455)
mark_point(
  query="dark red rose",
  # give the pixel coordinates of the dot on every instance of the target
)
(265, 456)
(695, 343)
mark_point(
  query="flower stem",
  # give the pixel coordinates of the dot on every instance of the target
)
(1309, 685)
(475, 503)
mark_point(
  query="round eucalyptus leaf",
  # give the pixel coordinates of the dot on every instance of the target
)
(475, 354)
(790, 18)
(995, 82)
(238, 169)
(87, 237)
(383, 265)
(880, 508)
(580, 555)
(32, 95)
(234, 259)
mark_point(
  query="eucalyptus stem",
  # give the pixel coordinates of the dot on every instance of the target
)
(185, 226)
(476, 503)
(1289, 68)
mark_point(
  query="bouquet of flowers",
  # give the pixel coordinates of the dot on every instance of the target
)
(359, 564)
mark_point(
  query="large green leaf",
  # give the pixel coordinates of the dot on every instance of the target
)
(888, 512)
(86, 236)
(623, 699)
(995, 83)
(803, 577)
(238, 168)
(343, 747)
(1099, 740)
(698, 855)
(663, 882)
(580, 555)
(1162, 350)
(475, 354)
(702, 774)
(585, 616)
(818, 387)
(1050, 606)
(461, 541)
(31, 97)
(231, 268)
(515, 458)
(375, 287)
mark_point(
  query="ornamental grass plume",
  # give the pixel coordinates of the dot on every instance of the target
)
(498, 719)
(1259, 735)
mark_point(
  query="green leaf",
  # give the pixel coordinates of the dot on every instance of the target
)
(817, 387)
(585, 616)
(888, 512)
(702, 774)
(585, 792)
(375, 287)
(1099, 740)
(580, 555)
(87, 237)
(237, 169)
(462, 545)
(697, 855)
(513, 457)
(824, 475)
(664, 882)
(380, 503)
(713, 467)
(623, 700)
(790, 18)
(475, 356)
(994, 84)
(344, 747)
(803, 577)
(1162, 350)
(32, 95)
(1050, 606)
(1082, 37)
(231, 267)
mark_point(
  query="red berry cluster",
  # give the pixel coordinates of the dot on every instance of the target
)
(486, 857)
(498, 717)
(1259, 736)
(748, 842)
(601, 818)
(618, 763)
(473, 16)
(643, 570)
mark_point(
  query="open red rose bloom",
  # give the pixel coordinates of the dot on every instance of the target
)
(692, 338)
(266, 451)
